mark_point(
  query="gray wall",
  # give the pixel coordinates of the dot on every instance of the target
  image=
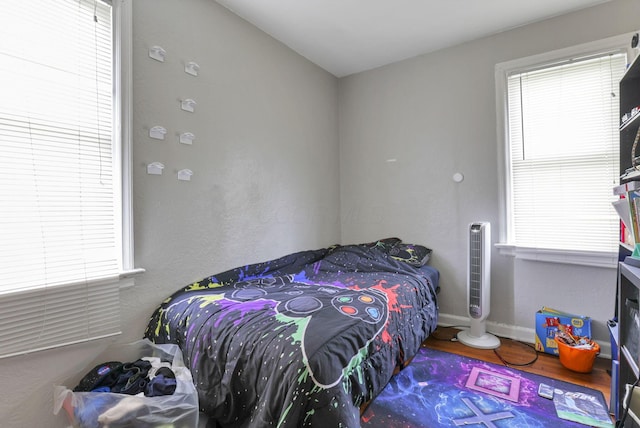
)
(265, 163)
(435, 114)
(266, 127)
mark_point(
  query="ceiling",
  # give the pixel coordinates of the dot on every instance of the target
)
(349, 36)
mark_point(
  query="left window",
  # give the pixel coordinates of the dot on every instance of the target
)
(64, 171)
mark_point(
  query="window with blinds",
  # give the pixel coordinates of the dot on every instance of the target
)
(563, 153)
(60, 174)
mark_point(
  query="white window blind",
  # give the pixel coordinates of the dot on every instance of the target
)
(60, 233)
(564, 154)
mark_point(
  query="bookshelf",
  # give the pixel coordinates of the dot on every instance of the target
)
(625, 333)
(629, 334)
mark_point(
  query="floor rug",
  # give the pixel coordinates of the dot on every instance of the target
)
(440, 389)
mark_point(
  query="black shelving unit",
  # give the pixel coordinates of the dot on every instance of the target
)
(626, 332)
(629, 102)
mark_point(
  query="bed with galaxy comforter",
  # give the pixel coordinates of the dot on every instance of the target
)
(303, 340)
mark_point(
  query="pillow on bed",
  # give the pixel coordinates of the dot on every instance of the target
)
(386, 243)
(415, 255)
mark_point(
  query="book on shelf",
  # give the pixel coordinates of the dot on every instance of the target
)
(624, 211)
(633, 200)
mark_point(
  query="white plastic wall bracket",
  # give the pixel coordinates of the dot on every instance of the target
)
(155, 168)
(188, 105)
(157, 53)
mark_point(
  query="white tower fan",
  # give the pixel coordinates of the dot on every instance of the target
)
(479, 288)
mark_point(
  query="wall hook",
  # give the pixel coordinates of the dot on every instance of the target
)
(155, 168)
(157, 53)
(185, 174)
(157, 132)
(191, 68)
(188, 105)
(187, 138)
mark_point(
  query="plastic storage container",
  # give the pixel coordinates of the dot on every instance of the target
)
(106, 409)
(576, 359)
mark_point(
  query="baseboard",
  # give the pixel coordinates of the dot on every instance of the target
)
(514, 332)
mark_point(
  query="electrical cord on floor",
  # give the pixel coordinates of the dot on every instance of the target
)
(620, 422)
(510, 364)
(452, 337)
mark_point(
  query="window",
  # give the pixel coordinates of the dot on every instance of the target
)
(562, 153)
(62, 170)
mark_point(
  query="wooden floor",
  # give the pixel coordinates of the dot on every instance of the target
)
(518, 353)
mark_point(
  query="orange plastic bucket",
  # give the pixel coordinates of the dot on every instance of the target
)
(578, 360)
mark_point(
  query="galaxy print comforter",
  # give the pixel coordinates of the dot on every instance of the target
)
(303, 340)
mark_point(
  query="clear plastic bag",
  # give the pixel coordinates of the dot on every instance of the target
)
(111, 410)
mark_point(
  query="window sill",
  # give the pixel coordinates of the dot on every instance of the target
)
(572, 257)
(127, 278)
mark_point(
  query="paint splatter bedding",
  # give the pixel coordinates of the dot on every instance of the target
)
(303, 340)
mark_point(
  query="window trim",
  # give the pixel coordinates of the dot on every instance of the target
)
(123, 40)
(505, 245)
(123, 102)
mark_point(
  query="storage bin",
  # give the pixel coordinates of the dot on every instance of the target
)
(576, 359)
(113, 410)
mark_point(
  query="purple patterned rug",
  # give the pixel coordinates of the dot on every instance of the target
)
(439, 389)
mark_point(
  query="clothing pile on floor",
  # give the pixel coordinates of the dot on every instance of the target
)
(153, 390)
(147, 375)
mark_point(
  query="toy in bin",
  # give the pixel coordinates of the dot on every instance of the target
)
(576, 353)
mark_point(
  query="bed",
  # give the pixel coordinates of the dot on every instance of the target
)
(303, 340)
